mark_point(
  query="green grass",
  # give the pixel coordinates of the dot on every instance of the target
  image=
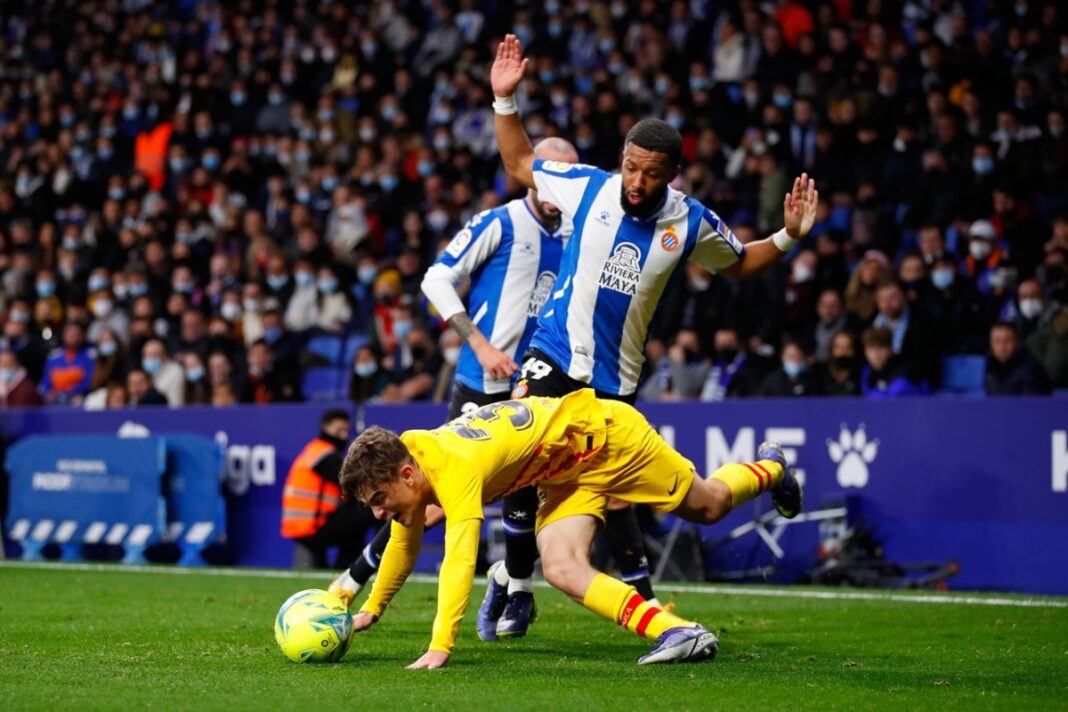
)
(111, 640)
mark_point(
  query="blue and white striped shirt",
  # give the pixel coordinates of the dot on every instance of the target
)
(512, 262)
(614, 270)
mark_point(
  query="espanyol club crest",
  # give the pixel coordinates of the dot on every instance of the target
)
(669, 240)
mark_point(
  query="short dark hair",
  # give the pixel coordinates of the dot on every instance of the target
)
(657, 135)
(878, 336)
(1005, 325)
(333, 414)
(373, 459)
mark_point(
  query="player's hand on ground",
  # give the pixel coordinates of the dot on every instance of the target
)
(508, 67)
(497, 364)
(431, 660)
(799, 207)
(362, 621)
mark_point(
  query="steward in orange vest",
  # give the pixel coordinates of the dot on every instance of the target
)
(313, 513)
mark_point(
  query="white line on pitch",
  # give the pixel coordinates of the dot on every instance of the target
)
(670, 587)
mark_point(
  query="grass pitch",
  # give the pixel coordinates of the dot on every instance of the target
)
(102, 639)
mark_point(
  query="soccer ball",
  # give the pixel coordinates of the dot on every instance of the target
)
(313, 626)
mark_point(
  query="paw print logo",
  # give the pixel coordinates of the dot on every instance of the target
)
(853, 452)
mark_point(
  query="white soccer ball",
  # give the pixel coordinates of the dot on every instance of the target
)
(313, 626)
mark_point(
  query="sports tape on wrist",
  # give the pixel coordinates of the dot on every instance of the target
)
(783, 241)
(505, 105)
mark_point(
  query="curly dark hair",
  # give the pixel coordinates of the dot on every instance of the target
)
(372, 460)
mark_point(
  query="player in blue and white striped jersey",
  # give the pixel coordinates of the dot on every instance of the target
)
(632, 234)
(511, 255)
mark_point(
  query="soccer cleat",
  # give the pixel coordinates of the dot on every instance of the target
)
(682, 644)
(492, 605)
(345, 587)
(518, 614)
(786, 496)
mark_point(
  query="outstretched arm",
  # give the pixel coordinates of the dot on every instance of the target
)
(512, 140)
(397, 563)
(799, 214)
(454, 590)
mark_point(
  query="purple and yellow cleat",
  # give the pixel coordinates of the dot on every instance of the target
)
(493, 604)
(786, 496)
(682, 644)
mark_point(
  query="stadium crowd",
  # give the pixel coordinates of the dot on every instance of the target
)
(193, 193)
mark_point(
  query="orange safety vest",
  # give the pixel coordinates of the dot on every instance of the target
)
(308, 499)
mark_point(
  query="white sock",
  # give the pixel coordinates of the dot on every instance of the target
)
(500, 574)
(654, 602)
(518, 584)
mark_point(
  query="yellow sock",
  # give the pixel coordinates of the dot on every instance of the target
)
(749, 479)
(620, 602)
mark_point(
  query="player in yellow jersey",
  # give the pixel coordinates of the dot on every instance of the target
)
(578, 450)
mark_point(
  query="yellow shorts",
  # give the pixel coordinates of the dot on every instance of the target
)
(635, 465)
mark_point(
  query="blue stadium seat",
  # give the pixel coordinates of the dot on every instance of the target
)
(320, 384)
(963, 375)
(327, 346)
(352, 345)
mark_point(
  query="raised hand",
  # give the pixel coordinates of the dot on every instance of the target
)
(799, 207)
(508, 67)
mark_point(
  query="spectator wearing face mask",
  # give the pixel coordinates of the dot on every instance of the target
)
(794, 377)
(958, 310)
(167, 375)
(735, 373)
(802, 290)
(23, 340)
(110, 358)
(302, 310)
(1029, 309)
(416, 364)
(16, 388)
(332, 308)
(1010, 369)
(839, 375)
(688, 366)
(197, 383)
(985, 256)
(284, 344)
(106, 316)
(369, 379)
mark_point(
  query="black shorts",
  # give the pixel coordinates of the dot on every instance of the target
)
(466, 399)
(541, 376)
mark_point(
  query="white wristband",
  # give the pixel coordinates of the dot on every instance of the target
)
(504, 105)
(783, 241)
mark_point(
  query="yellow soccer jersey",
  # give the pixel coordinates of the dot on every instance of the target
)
(475, 460)
(500, 448)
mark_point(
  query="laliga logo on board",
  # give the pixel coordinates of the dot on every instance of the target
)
(853, 452)
(669, 240)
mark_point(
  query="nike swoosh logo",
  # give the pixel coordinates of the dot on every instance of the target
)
(675, 486)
